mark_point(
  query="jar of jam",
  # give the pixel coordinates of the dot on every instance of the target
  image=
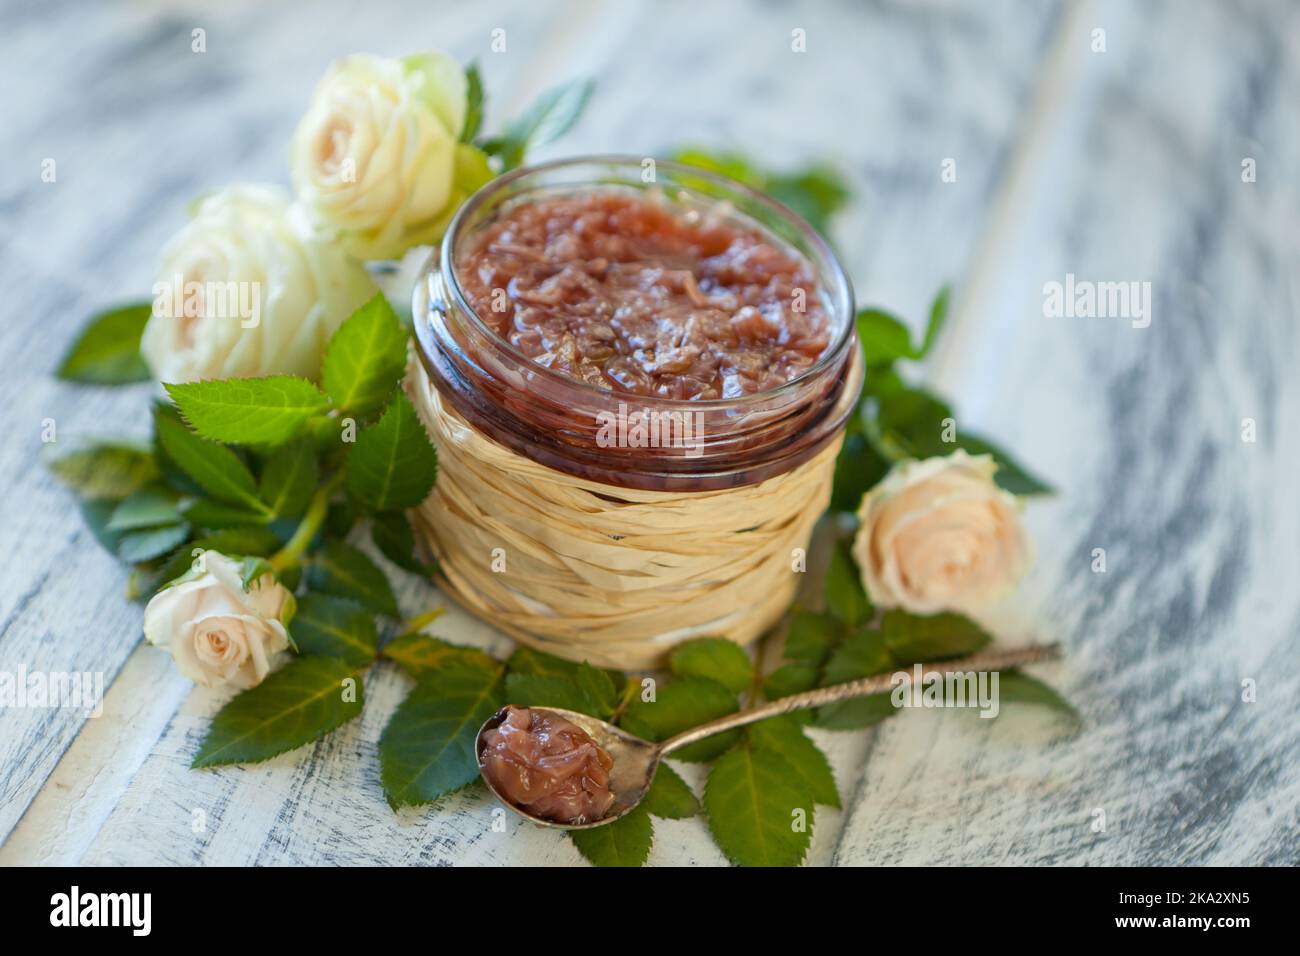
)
(637, 376)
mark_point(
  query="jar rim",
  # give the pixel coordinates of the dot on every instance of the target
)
(840, 292)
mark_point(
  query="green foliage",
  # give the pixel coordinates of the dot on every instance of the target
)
(754, 800)
(103, 469)
(816, 192)
(345, 571)
(474, 104)
(366, 358)
(420, 655)
(680, 705)
(304, 700)
(108, 350)
(249, 411)
(625, 842)
(548, 118)
(427, 749)
(393, 464)
(715, 658)
(327, 626)
(896, 421)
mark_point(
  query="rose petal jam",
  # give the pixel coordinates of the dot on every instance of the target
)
(623, 291)
(548, 766)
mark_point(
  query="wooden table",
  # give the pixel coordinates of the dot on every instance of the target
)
(1122, 164)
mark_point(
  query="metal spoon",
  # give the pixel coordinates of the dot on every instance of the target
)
(636, 760)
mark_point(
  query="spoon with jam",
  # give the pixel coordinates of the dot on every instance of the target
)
(560, 768)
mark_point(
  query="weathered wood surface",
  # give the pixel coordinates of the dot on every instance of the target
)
(1117, 165)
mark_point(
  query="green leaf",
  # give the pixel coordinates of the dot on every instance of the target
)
(365, 358)
(716, 658)
(598, 687)
(816, 193)
(344, 571)
(845, 598)
(215, 468)
(146, 508)
(785, 736)
(669, 796)
(790, 679)
(108, 350)
(427, 749)
(214, 514)
(530, 690)
(625, 842)
(289, 479)
(474, 98)
(95, 512)
(682, 704)
(297, 704)
(249, 411)
(335, 627)
(549, 118)
(526, 660)
(812, 636)
(938, 316)
(137, 547)
(912, 421)
(913, 637)
(863, 654)
(392, 464)
(883, 337)
(102, 469)
(751, 799)
(420, 655)
(858, 467)
(1018, 687)
(1011, 475)
(392, 535)
(251, 570)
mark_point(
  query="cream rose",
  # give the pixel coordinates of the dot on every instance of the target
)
(217, 632)
(376, 159)
(245, 289)
(940, 535)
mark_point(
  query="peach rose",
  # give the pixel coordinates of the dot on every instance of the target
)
(217, 632)
(940, 535)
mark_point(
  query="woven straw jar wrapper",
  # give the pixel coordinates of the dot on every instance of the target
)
(614, 553)
(614, 576)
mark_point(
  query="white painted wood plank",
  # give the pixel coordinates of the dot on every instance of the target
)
(886, 92)
(1135, 173)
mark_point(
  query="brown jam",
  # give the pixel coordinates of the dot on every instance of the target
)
(548, 766)
(623, 292)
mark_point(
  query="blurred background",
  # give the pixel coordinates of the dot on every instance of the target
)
(997, 145)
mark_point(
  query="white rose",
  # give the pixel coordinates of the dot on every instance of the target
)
(246, 289)
(217, 632)
(376, 159)
(939, 535)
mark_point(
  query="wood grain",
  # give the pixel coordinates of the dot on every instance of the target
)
(1122, 165)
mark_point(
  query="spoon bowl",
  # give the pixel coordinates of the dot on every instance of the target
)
(636, 760)
(635, 763)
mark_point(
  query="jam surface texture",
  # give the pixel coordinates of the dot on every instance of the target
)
(627, 293)
(547, 765)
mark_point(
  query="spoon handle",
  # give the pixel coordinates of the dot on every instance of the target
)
(985, 661)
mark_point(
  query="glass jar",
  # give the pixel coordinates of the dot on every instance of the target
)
(564, 423)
